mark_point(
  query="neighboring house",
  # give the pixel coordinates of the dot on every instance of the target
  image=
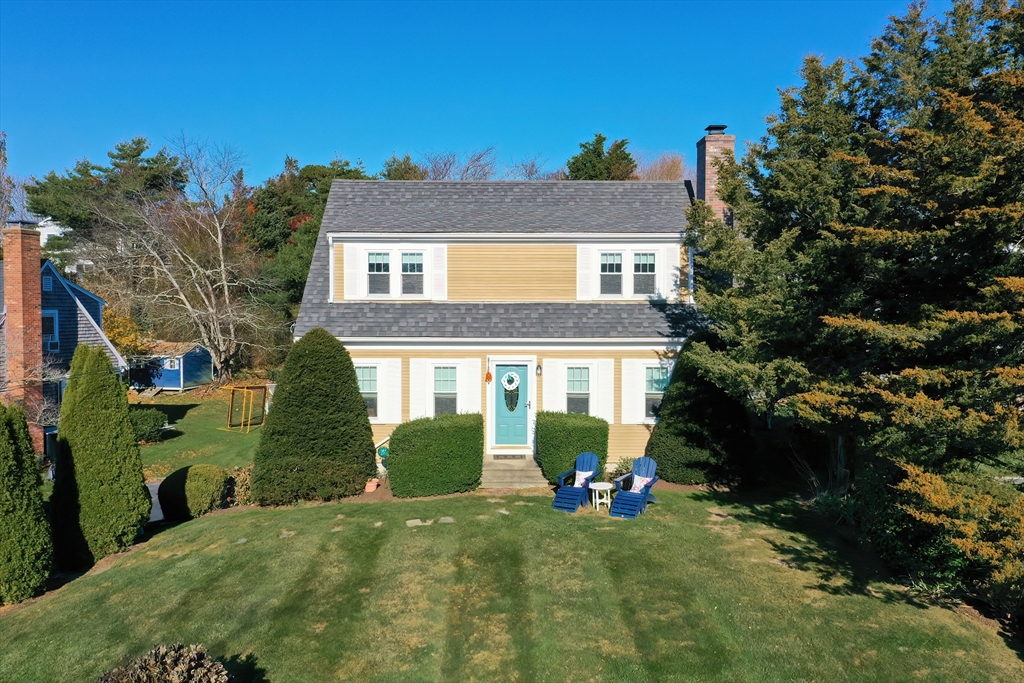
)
(174, 366)
(45, 317)
(506, 298)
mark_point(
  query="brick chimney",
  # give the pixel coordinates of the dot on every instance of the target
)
(24, 324)
(715, 145)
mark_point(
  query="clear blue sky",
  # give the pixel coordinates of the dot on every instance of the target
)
(362, 80)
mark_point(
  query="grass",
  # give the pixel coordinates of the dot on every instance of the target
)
(702, 588)
(197, 438)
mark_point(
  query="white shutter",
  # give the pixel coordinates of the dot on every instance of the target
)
(354, 272)
(583, 273)
(554, 385)
(389, 391)
(669, 278)
(440, 292)
(468, 384)
(420, 387)
(602, 392)
(633, 378)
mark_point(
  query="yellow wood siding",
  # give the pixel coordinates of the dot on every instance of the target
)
(684, 273)
(339, 272)
(380, 432)
(627, 441)
(511, 272)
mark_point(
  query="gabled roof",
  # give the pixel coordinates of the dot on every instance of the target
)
(170, 349)
(423, 206)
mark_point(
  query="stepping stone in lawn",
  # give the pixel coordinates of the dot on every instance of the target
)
(340, 517)
(413, 522)
(378, 523)
(337, 528)
(241, 540)
(286, 534)
(522, 502)
(446, 520)
(504, 511)
(483, 516)
(495, 500)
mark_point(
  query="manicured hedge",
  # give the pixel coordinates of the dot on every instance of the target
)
(193, 491)
(702, 433)
(317, 443)
(434, 456)
(26, 550)
(148, 423)
(99, 499)
(561, 437)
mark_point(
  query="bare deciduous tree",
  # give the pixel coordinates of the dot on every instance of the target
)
(531, 168)
(662, 166)
(476, 165)
(181, 258)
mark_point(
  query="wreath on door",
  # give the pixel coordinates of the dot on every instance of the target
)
(510, 383)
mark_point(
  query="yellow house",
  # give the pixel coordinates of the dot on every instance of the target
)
(505, 298)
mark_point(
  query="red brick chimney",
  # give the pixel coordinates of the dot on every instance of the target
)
(715, 145)
(24, 325)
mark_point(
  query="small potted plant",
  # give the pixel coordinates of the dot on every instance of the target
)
(372, 484)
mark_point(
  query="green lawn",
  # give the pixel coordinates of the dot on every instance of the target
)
(198, 438)
(702, 588)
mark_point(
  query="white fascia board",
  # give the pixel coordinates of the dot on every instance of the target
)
(506, 237)
(423, 343)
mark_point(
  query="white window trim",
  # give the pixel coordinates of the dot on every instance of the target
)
(389, 388)
(588, 271)
(634, 388)
(421, 385)
(356, 272)
(56, 329)
(168, 361)
(602, 385)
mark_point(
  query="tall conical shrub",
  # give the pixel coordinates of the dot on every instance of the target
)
(26, 549)
(99, 498)
(316, 443)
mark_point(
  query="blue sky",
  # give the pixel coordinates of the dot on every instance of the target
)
(361, 80)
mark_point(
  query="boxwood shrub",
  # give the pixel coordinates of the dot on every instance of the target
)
(435, 456)
(561, 437)
(193, 491)
(148, 423)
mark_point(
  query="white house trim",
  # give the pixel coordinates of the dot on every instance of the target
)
(531, 406)
(505, 237)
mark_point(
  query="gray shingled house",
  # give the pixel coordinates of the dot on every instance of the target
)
(506, 298)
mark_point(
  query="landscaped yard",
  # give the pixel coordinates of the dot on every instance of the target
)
(198, 437)
(702, 588)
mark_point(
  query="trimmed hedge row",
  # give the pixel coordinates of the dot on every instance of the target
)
(148, 423)
(193, 491)
(561, 437)
(435, 456)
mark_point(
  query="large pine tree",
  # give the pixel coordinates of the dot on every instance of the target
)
(317, 443)
(26, 549)
(99, 499)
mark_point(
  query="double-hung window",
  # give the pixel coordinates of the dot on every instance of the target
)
(577, 397)
(656, 382)
(644, 280)
(445, 391)
(367, 378)
(51, 334)
(379, 270)
(170, 363)
(412, 273)
(611, 273)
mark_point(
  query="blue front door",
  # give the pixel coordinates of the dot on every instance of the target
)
(511, 394)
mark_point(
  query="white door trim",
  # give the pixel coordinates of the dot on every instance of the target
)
(531, 406)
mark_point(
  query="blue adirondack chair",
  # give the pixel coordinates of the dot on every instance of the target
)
(569, 498)
(628, 504)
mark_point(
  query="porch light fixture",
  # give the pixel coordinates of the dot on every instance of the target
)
(539, 369)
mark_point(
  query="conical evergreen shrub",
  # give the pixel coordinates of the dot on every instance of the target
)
(26, 549)
(316, 443)
(99, 497)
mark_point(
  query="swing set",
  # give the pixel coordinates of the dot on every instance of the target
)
(247, 408)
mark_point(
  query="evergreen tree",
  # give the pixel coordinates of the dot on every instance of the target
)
(100, 498)
(26, 549)
(595, 163)
(403, 169)
(316, 443)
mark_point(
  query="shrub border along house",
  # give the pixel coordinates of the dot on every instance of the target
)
(435, 456)
(563, 436)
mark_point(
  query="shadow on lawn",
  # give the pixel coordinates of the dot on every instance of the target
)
(175, 412)
(832, 553)
(244, 669)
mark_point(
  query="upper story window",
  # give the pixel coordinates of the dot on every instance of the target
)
(47, 283)
(644, 278)
(577, 397)
(611, 273)
(445, 390)
(367, 378)
(51, 332)
(656, 382)
(412, 273)
(379, 268)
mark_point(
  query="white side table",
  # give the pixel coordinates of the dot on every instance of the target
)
(601, 493)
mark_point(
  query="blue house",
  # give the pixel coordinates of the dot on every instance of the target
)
(173, 366)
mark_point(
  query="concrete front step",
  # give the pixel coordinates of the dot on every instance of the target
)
(511, 474)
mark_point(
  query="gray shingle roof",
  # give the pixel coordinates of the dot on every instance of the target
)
(496, 321)
(377, 206)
